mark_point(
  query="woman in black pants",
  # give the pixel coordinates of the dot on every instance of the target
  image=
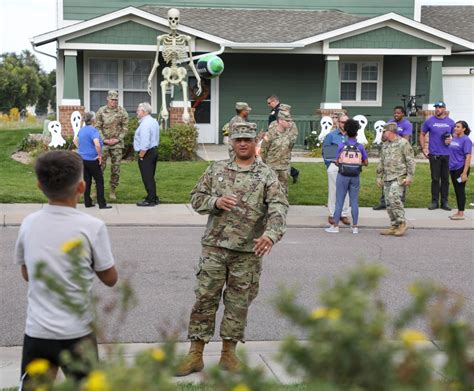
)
(460, 150)
(89, 144)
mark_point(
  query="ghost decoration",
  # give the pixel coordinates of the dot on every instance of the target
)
(326, 126)
(57, 140)
(378, 126)
(76, 120)
(361, 139)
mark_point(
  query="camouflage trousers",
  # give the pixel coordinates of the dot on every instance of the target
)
(236, 274)
(115, 155)
(393, 192)
(283, 179)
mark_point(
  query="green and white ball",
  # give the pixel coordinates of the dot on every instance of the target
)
(210, 66)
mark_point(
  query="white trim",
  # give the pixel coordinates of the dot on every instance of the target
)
(180, 103)
(71, 53)
(109, 47)
(70, 102)
(428, 107)
(414, 67)
(332, 58)
(215, 106)
(448, 71)
(435, 58)
(330, 106)
(419, 3)
(389, 52)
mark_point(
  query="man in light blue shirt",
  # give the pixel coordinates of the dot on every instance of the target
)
(147, 138)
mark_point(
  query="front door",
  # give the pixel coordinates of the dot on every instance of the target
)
(205, 110)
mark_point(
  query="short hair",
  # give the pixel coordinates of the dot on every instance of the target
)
(146, 107)
(351, 127)
(58, 173)
(273, 97)
(89, 117)
(401, 108)
(464, 124)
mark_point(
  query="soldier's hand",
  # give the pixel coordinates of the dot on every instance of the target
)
(407, 182)
(226, 202)
(263, 246)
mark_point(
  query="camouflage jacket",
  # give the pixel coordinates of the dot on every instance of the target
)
(276, 152)
(112, 123)
(261, 207)
(236, 119)
(396, 160)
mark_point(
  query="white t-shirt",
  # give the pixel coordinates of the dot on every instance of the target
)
(41, 237)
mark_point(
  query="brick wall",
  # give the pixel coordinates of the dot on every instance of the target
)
(176, 115)
(65, 118)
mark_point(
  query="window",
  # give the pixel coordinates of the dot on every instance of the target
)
(128, 76)
(361, 83)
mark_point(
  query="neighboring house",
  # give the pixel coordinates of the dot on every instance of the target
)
(314, 56)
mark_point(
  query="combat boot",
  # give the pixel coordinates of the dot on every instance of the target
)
(401, 229)
(389, 231)
(112, 196)
(229, 361)
(193, 361)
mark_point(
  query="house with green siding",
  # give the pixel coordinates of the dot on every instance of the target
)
(317, 56)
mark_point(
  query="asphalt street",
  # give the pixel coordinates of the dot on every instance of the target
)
(160, 263)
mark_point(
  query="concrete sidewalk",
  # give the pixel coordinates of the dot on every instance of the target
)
(183, 215)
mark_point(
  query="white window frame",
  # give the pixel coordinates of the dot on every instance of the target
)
(358, 101)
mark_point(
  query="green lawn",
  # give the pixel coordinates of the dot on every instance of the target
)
(176, 179)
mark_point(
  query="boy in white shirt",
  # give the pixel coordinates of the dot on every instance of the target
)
(48, 237)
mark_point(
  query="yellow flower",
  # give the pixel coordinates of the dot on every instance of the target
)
(41, 388)
(96, 381)
(411, 337)
(70, 245)
(241, 387)
(324, 312)
(37, 367)
(334, 314)
(158, 354)
(414, 289)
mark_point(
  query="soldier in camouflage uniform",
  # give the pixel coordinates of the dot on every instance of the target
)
(395, 171)
(112, 122)
(242, 110)
(277, 145)
(247, 216)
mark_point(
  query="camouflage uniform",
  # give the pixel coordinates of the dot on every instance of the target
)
(276, 150)
(227, 255)
(397, 162)
(112, 123)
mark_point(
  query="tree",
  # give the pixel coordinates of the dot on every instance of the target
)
(47, 93)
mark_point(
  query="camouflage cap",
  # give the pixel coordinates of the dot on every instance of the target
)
(245, 130)
(284, 114)
(242, 106)
(112, 94)
(391, 127)
(285, 107)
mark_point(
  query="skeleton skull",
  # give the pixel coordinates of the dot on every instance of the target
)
(326, 126)
(378, 126)
(173, 18)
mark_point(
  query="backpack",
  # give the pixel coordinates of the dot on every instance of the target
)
(350, 160)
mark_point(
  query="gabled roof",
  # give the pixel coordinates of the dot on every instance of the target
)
(455, 20)
(260, 26)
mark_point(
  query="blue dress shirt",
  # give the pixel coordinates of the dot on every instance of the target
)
(147, 135)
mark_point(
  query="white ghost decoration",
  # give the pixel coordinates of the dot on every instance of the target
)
(76, 120)
(57, 140)
(326, 126)
(361, 139)
(378, 126)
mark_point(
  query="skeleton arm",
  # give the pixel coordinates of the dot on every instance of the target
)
(191, 65)
(156, 63)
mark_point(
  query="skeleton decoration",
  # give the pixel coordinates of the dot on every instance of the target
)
(175, 48)
(57, 140)
(76, 121)
(361, 139)
(378, 131)
(326, 126)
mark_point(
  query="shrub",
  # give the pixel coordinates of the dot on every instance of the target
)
(165, 149)
(184, 141)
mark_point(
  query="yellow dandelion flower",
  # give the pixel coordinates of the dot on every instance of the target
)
(412, 337)
(70, 245)
(241, 387)
(319, 313)
(158, 354)
(41, 388)
(334, 314)
(37, 367)
(414, 289)
(96, 381)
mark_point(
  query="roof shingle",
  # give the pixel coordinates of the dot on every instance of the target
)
(455, 20)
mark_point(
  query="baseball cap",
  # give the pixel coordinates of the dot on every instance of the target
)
(242, 106)
(439, 103)
(245, 130)
(112, 94)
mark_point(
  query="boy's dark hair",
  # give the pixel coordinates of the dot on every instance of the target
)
(401, 108)
(58, 173)
(351, 127)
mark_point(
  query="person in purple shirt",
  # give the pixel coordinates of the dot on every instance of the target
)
(405, 130)
(460, 151)
(348, 184)
(440, 128)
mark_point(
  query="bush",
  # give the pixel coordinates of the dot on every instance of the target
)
(184, 141)
(165, 149)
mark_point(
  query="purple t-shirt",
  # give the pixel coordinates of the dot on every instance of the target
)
(437, 127)
(458, 149)
(404, 127)
(352, 141)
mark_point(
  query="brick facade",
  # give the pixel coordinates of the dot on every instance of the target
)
(176, 116)
(65, 118)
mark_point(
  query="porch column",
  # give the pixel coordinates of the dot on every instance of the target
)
(435, 82)
(331, 97)
(71, 101)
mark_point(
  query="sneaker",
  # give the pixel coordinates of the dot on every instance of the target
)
(355, 230)
(332, 229)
